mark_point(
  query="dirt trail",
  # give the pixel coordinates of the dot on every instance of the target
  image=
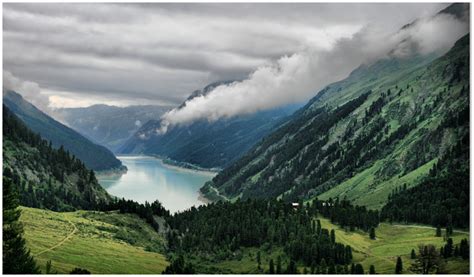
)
(61, 242)
(427, 227)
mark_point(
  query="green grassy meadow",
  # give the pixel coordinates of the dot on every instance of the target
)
(393, 241)
(106, 243)
(103, 243)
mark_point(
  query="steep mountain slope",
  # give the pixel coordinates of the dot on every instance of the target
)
(203, 143)
(94, 156)
(361, 137)
(109, 126)
(46, 177)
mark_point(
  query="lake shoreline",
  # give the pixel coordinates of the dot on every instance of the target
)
(186, 169)
(174, 165)
(203, 199)
(115, 172)
(149, 178)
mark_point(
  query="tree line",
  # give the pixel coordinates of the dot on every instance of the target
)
(64, 182)
(442, 198)
(221, 228)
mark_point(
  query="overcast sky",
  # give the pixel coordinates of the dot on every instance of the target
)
(122, 54)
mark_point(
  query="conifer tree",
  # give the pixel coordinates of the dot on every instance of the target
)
(464, 249)
(372, 233)
(278, 267)
(399, 266)
(291, 269)
(359, 269)
(438, 231)
(271, 267)
(372, 269)
(16, 257)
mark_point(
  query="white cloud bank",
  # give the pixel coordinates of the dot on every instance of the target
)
(298, 77)
(29, 90)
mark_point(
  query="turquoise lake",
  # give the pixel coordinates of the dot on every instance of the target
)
(148, 179)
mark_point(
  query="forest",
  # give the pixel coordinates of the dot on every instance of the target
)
(442, 199)
(63, 182)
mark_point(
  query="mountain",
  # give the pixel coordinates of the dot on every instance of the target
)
(109, 126)
(385, 125)
(203, 143)
(94, 156)
(45, 177)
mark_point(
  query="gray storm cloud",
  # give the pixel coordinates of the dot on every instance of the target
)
(29, 90)
(124, 54)
(298, 77)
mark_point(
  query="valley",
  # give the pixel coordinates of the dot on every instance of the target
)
(367, 174)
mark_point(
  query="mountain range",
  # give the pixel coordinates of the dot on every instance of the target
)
(206, 144)
(109, 126)
(360, 138)
(94, 156)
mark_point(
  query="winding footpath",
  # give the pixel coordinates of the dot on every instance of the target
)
(428, 227)
(61, 242)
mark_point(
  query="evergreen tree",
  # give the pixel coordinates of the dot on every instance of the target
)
(278, 267)
(323, 266)
(331, 267)
(359, 269)
(49, 266)
(179, 266)
(78, 270)
(399, 266)
(291, 269)
(438, 231)
(259, 260)
(448, 248)
(271, 267)
(464, 249)
(428, 260)
(16, 257)
(372, 269)
(456, 251)
(413, 254)
(372, 233)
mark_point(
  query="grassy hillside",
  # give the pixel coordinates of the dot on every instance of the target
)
(103, 243)
(393, 241)
(382, 127)
(95, 156)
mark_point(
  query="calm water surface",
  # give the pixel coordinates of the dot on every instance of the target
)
(148, 179)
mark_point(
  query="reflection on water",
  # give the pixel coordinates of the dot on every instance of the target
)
(148, 179)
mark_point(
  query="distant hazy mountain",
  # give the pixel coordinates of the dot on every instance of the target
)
(206, 144)
(107, 125)
(94, 156)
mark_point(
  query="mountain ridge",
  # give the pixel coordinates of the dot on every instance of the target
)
(95, 156)
(389, 108)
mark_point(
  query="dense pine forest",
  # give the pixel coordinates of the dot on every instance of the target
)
(46, 177)
(442, 199)
(221, 229)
